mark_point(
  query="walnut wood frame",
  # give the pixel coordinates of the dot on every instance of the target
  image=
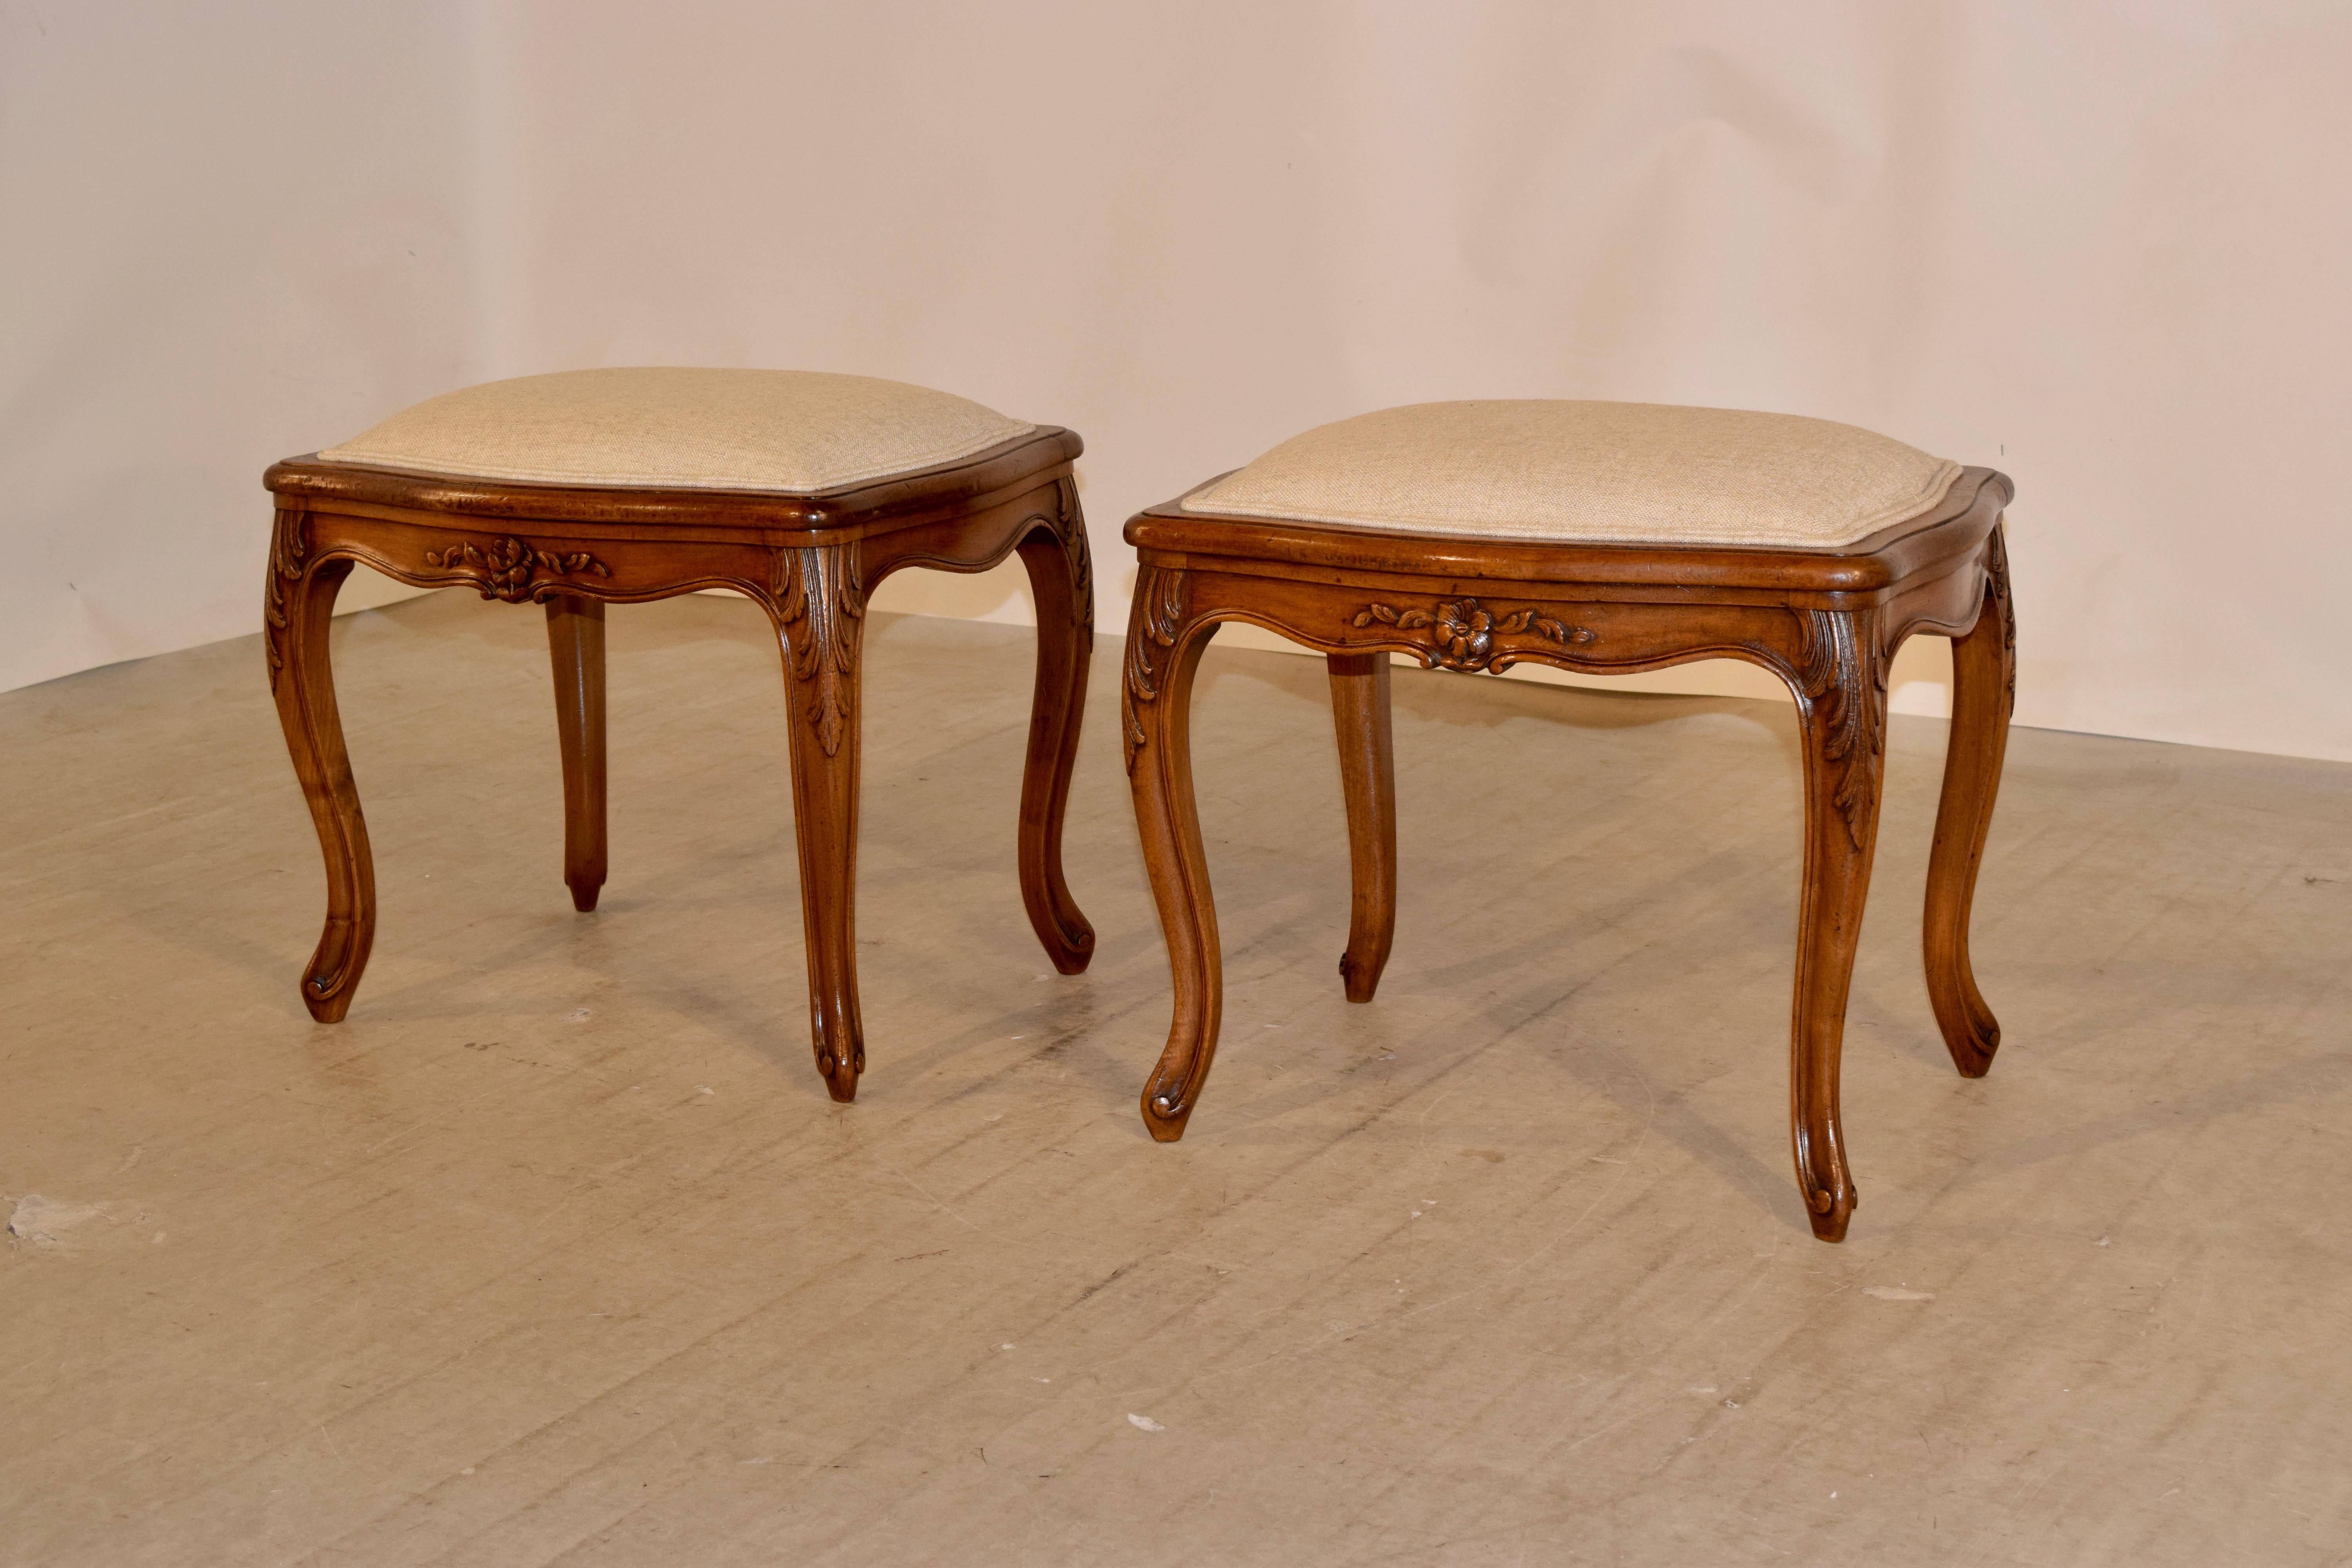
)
(1826, 622)
(809, 560)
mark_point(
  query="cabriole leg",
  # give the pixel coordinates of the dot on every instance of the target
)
(1060, 578)
(1841, 709)
(1359, 710)
(821, 612)
(1157, 716)
(299, 606)
(1984, 689)
(575, 643)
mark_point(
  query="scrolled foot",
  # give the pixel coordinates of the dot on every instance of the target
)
(1829, 1210)
(332, 979)
(1166, 1109)
(840, 1066)
(1972, 1048)
(1071, 946)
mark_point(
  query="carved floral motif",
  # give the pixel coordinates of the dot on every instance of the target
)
(1462, 632)
(506, 568)
(820, 605)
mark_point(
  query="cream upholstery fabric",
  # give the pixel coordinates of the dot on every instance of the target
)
(1604, 472)
(794, 431)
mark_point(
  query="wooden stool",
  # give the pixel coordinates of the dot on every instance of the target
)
(1602, 538)
(801, 491)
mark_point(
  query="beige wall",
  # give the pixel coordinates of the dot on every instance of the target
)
(2101, 247)
(226, 233)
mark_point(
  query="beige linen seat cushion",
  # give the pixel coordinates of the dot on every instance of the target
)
(791, 431)
(1566, 472)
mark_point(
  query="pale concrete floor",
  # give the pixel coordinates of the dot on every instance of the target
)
(556, 1251)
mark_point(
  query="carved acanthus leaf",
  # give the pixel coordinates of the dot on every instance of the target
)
(1997, 590)
(1159, 606)
(821, 606)
(1840, 685)
(290, 545)
(1072, 526)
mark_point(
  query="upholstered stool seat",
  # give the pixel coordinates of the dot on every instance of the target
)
(792, 432)
(1597, 537)
(799, 489)
(1628, 473)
